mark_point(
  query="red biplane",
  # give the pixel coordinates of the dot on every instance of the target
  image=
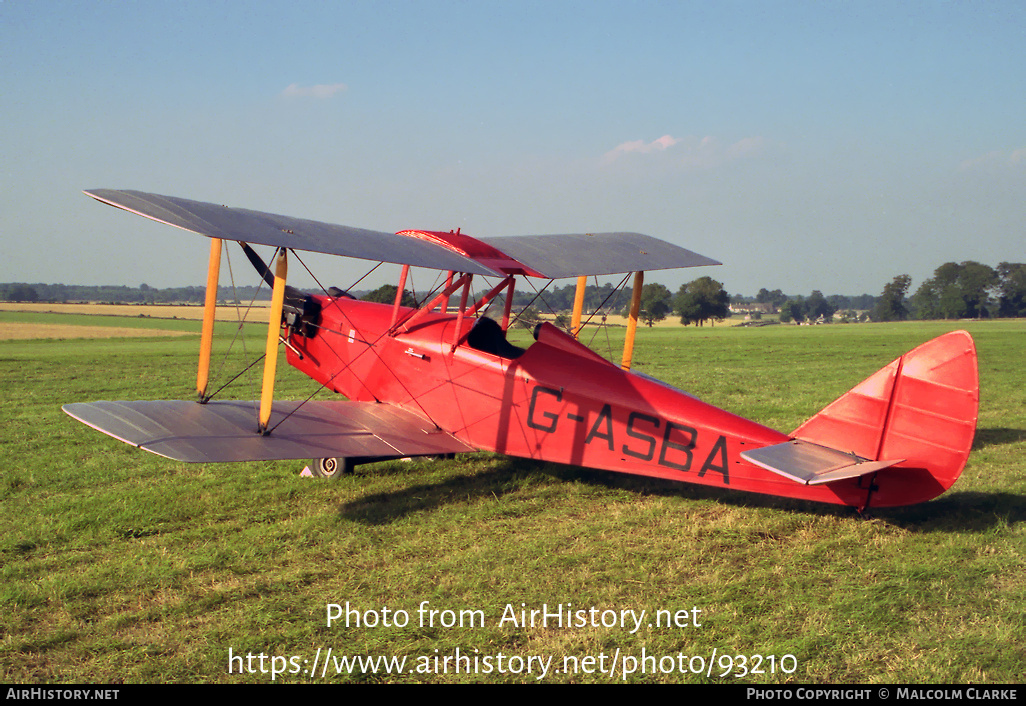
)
(430, 380)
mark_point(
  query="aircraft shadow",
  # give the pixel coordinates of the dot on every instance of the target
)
(966, 511)
(384, 508)
(997, 436)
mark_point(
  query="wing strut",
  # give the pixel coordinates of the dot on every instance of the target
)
(463, 310)
(575, 321)
(281, 269)
(209, 309)
(508, 304)
(399, 295)
(632, 322)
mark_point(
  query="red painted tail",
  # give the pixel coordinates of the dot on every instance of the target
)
(921, 407)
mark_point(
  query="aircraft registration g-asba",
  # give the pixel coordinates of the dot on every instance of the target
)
(438, 379)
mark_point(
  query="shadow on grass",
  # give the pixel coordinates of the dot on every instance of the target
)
(383, 508)
(959, 512)
(507, 474)
(953, 512)
(997, 436)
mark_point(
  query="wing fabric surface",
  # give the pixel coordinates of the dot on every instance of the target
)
(573, 255)
(215, 221)
(226, 431)
(549, 256)
(812, 464)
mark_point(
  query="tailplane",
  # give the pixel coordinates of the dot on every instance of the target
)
(921, 408)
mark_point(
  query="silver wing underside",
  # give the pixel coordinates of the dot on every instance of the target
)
(551, 256)
(812, 464)
(573, 255)
(227, 431)
(216, 221)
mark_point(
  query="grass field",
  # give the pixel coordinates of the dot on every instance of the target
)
(120, 566)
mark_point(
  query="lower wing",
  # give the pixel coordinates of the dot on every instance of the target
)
(226, 431)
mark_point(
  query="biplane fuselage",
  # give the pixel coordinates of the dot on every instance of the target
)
(558, 401)
(432, 380)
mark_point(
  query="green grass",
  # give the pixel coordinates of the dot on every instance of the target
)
(117, 565)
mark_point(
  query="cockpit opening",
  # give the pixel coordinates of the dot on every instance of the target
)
(487, 335)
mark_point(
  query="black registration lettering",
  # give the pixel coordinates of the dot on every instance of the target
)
(606, 417)
(718, 453)
(635, 434)
(670, 444)
(553, 418)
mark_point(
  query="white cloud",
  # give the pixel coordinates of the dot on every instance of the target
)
(996, 158)
(642, 147)
(694, 152)
(747, 147)
(323, 90)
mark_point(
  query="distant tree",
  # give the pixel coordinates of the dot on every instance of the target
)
(656, 303)
(975, 283)
(839, 302)
(818, 307)
(776, 297)
(528, 318)
(1012, 289)
(925, 304)
(701, 300)
(891, 305)
(22, 293)
(385, 294)
(863, 302)
(793, 310)
(956, 291)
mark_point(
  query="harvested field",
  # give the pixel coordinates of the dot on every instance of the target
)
(155, 311)
(17, 330)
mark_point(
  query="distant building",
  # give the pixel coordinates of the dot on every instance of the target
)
(752, 308)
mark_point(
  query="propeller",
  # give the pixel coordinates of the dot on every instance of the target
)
(301, 312)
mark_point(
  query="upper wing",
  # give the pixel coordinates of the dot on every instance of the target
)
(215, 221)
(226, 431)
(559, 256)
(548, 256)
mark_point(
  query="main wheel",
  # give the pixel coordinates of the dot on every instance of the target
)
(332, 467)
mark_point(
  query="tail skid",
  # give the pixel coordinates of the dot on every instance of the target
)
(921, 408)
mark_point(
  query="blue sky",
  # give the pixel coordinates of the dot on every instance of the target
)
(826, 145)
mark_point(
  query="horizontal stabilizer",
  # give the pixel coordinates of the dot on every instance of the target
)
(812, 464)
(226, 431)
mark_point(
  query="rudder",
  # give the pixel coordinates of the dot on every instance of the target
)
(921, 407)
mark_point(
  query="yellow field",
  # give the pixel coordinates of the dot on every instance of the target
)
(14, 330)
(177, 311)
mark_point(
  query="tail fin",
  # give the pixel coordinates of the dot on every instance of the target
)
(921, 407)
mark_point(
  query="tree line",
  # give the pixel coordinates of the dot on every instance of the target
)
(964, 290)
(699, 301)
(956, 291)
(143, 294)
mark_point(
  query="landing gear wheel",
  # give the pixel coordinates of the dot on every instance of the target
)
(332, 467)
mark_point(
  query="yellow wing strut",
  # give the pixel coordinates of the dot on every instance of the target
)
(281, 269)
(209, 309)
(632, 321)
(575, 321)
